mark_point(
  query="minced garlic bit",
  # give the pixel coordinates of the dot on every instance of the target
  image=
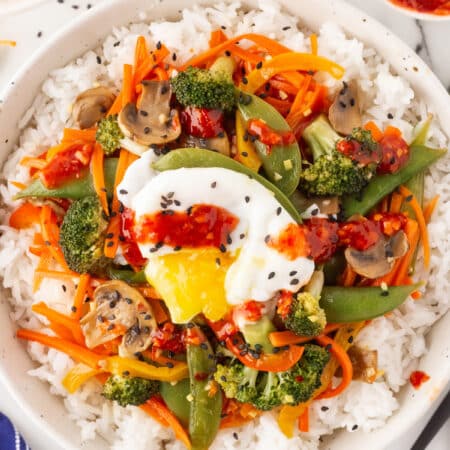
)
(384, 286)
(283, 95)
(277, 176)
(307, 112)
(189, 397)
(287, 164)
(162, 118)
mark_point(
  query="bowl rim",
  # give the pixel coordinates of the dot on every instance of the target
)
(88, 18)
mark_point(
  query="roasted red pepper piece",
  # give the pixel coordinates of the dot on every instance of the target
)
(201, 122)
(395, 153)
(322, 238)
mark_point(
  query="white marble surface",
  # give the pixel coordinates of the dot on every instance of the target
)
(31, 23)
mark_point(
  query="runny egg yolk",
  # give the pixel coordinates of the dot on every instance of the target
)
(192, 281)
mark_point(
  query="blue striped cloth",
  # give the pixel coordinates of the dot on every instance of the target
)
(10, 439)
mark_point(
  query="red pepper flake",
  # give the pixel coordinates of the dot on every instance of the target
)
(395, 153)
(417, 378)
(291, 242)
(359, 234)
(267, 135)
(169, 337)
(284, 304)
(250, 311)
(322, 238)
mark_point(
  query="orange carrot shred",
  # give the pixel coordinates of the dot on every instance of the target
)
(420, 220)
(396, 202)
(282, 338)
(73, 134)
(429, 209)
(314, 44)
(303, 421)
(127, 85)
(98, 176)
(80, 294)
(75, 351)
(116, 106)
(25, 216)
(377, 134)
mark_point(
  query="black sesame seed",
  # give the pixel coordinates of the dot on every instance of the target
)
(177, 202)
(109, 235)
(267, 238)
(315, 211)
(111, 326)
(174, 56)
(88, 6)
(352, 102)
(227, 53)
(87, 299)
(213, 184)
(259, 65)
(279, 209)
(392, 160)
(177, 248)
(267, 86)
(324, 408)
(271, 275)
(350, 340)
(170, 365)
(100, 319)
(342, 105)
(128, 301)
(147, 130)
(328, 347)
(73, 309)
(243, 72)
(292, 273)
(409, 198)
(75, 6)
(164, 90)
(112, 304)
(110, 244)
(143, 113)
(244, 154)
(390, 116)
(247, 199)
(63, 286)
(244, 80)
(286, 28)
(39, 34)
(125, 373)
(116, 44)
(384, 293)
(276, 349)
(203, 346)
(222, 248)
(229, 240)
(294, 281)
(223, 378)
(158, 45)
(354, 427)
(243, 352)
(242, 236)
(218, 261)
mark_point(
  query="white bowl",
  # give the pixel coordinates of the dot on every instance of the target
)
(46, 411)
(417, 14)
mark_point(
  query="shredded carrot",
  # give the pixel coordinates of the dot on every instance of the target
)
(282, 106)
(384, 204)
(303, 420)
(272, 46)
(50, 233)
(344, 361)
(43, 264)
(80, 294)
(17, 184)
(282, 338)
(98, 176)
(70, 135)
(57, 318)
(314, 44)
(58, 274)
(150, 63)
(295, 78)
(429, 209)
(283, 86)
(415, 206)
(25, 216)
(127, 85)
(116, 106)
(155, 407)
(140, 52)
(217, 37)
(298, 104)
(161, 74)
(61, 331)
(8, 42)
(75, 351)
(349, 276)
(111, 244)
(396, 202)
(33, 163)
(392, 131)
(377, 134)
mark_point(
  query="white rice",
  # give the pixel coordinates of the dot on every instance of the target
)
(398, 338)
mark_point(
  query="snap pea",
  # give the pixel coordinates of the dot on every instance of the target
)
(196, 157)
(205, 410)
(176, 398)
(282, 163)
(352, 304)
(75, 189)
(127, 275)
(381, 185)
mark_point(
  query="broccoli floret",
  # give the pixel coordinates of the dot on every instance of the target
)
(267, 390)
(333, 173)
(82, 236)
(305, 317)
(206, 88)
(109, 134)
(237, 381)
(129, 391)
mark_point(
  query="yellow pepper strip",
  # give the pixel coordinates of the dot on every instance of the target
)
(289, 414)
(246, 153)
(77, 376)
(134, 368)
(291, 61)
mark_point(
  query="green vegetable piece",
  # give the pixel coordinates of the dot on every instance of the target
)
(421, 131)
(352, 304)
(282, 163)
(203, 88)
(381, 185)
(127, 275)
(196, 157)
(176, 398)
(205, 410)
(332, 173)
(129, 391)
(82, 236)
(109, 134)
(257, 333)
(75, 189)
(334, 267)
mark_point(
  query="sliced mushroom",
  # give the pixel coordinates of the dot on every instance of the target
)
(344, 113)
(119, 309)
(364, 362)
(326, 205)
(379, 259)
(91, 106)
(219, 144)
(151, 121)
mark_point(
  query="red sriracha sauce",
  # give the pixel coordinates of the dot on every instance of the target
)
(359, 153)
(322, 237)
(417, 378)
(250, 311)
(199, 226)
(66, 165)
(395, 153)
(201, 122)
(438, 7)
(267, 135)
(130, 248)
